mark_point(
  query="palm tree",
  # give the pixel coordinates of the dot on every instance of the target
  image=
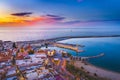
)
(31, 51)
(20, 75)
(78, 76)
(3, 75)
(46, 45)
(14, 45)
(13, 60)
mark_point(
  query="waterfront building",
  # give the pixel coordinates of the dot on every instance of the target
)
(1, 45)
(7, 45)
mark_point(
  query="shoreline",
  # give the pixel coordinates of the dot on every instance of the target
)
(88, 63)
(66, 37)
(101, 72)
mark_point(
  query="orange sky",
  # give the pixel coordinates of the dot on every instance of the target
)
(6, 19)
(23, 21)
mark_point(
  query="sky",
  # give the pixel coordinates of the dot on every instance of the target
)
(33, 15)
(59, 13)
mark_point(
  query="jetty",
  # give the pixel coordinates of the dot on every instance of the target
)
(86, 58)
(68, 46)
(89, 57)
(74, 45)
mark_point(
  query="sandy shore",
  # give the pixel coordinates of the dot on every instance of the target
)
(99, 71)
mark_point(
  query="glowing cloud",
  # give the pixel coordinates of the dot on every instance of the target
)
(25, 19)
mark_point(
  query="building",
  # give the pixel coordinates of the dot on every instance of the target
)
(1, 45)
(7, 45)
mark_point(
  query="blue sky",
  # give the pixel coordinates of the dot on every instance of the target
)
(75, 12)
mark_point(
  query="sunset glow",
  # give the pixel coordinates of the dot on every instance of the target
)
(57, 13)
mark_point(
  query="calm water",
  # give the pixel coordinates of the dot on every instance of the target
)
(95, 46)
(36, 34)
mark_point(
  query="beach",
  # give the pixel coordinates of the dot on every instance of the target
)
(99, 71)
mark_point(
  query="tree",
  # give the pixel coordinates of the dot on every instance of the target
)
(95, 74)
(46, 45)
(78, 76)
(14, 45)
(31, 51)
(13, 60)
(69, 55)
(82, 67)
(3, 75)
(63, 54)
(20, 75)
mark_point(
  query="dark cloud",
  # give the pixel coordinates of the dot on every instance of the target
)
(52, 15)
(55, 17)
(88, 21)
(22, 14)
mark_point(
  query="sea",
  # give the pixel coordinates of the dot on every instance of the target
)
(110, 46)
(43, 33)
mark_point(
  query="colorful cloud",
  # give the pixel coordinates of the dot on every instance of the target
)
(22, 14)
(57, 12)
(25, 19)
(55, 17)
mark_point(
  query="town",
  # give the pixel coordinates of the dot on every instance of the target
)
(28, 61)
